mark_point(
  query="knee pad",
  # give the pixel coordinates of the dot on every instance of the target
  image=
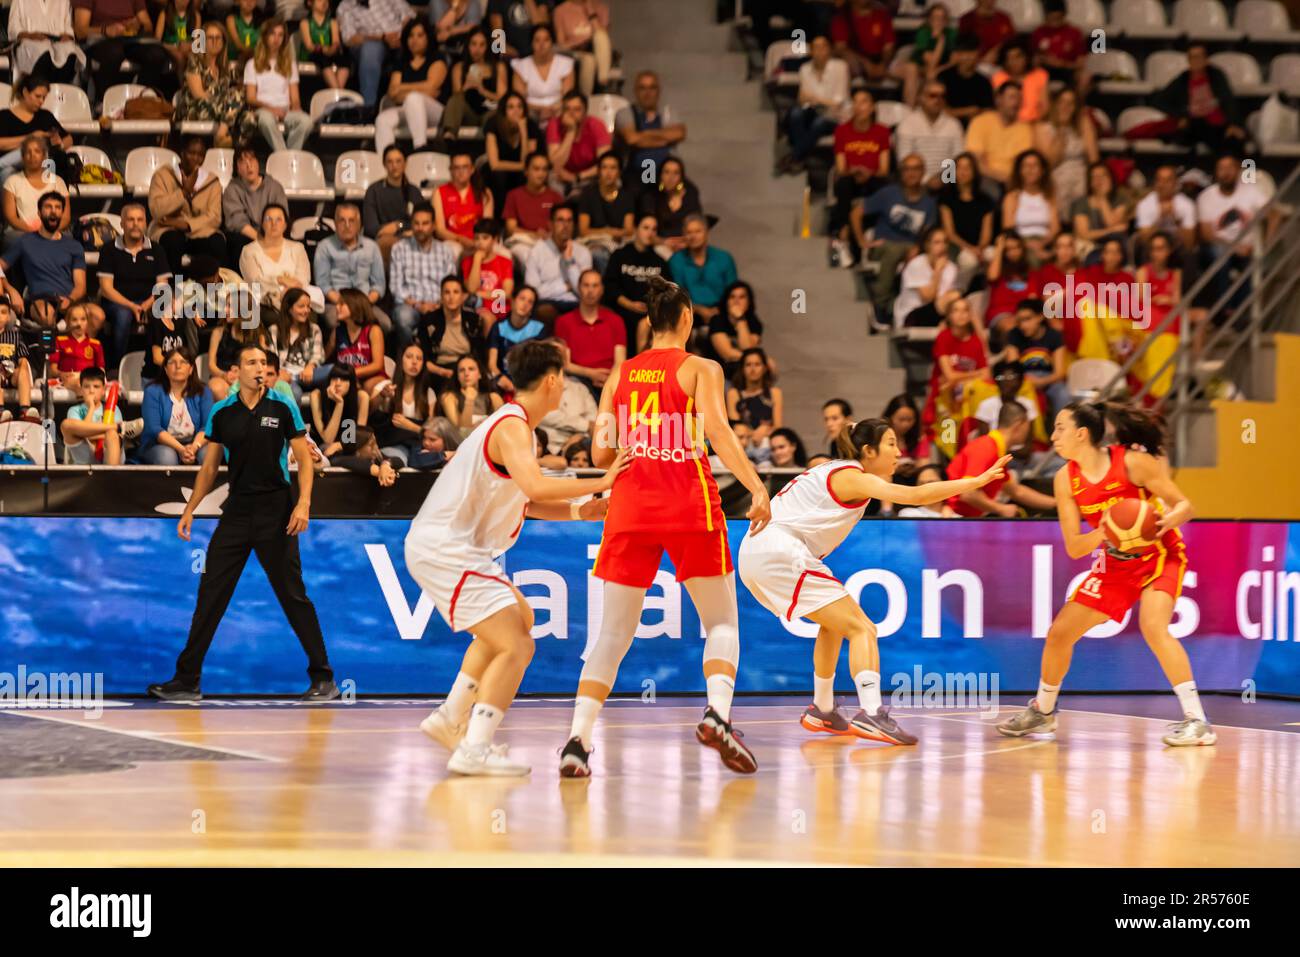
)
(723, 642)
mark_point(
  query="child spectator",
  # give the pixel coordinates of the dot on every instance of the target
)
(77, 350)
(1010, 281)
(1058, 45)
(959, 358)
(406, 403)
(15, 364)
(319, 43)
(469, 400)
(84, 427)
(357, 340)
(489, 275)
(519, 327)
(1040, 350)
(438, 444)
(301, 345)
(368, 459)
(175, 409)
(337, 411)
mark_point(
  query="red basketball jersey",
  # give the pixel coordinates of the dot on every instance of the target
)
(669, 485)
(1095, 498)
(460, 213)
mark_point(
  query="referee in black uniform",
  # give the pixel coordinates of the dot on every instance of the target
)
(253, 428)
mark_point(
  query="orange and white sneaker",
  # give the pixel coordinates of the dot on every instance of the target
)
(816, 720)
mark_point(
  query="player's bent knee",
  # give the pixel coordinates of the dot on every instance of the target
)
(722, 642)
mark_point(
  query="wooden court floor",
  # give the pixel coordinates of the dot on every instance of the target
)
(345, 785)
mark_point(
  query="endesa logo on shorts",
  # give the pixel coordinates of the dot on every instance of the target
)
(650, 434)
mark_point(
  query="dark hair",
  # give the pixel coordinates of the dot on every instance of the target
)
(528, 160)
(609, 154)
(665, 301)
(393, 147)
(423, 207)
(93, 374)
(430, 40)
(360, 310)
(791, 436)
(738, 380)
(904, 401)
(454, 387)
(192, 387)
(1044, 180)
(32, 81)
(272, 360)
(346, 204)
(750, 313)
(351, 403)
(1133, 427)
(420, 381)
(528, 362)
(1034, 305)
(451, 277)
(845, 409)
(497, 125)
(575, 95)
(532, 36)
(966, 42)
(270, 206)
(582, 445)
(52, 194)
(248, 346)
(488, 226)
(856, 436)
(1011, 413)
(489, 55)
(246, 150)
(1008, 365)
(1010, 85)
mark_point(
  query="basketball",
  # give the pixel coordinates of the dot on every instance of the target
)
(1130, 525)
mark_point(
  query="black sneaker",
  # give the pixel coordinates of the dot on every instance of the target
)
(175, 690)
(715, 733)
(574, 759)
(321, 691)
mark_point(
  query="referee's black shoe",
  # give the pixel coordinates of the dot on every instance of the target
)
(322, 691)
(175, 690)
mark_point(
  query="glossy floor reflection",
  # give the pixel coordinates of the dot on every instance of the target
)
(357, 785)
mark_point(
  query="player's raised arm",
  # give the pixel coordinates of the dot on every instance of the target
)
(710, 400)
(512, 442)
(1152, 473)
(853, 486)
(1077, 543)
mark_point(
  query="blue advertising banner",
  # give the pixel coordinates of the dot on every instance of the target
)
(115, 595)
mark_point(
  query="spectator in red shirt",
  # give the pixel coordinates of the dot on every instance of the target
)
(528, 207)
(1010, 279)
(978, 457)
(863, 36)
(1058, 45)
(861, 167)
(489, 275)
(593, 336)
(574, 141)
(77, 350)
(1052, 280)
(991, 25)
(959, 358)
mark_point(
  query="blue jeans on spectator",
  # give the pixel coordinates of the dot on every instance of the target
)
(806, 126)
(369, 59)
(320, 378)
(166, 455)
(122, 321)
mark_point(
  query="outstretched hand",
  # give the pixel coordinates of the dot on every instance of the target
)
(996, 471)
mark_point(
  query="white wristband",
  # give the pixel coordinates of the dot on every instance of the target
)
(574, 509)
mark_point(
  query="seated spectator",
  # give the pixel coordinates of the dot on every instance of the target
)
(578, 452)
(1104, 213)
(479, 79)
(835, 414)
(349, 260)
(84, 428)
(862, 35)
(468, 398)
(244, 28)
(52, 262)
(1053, 277)
(420, 261)
(822, 104)
(321, 43)
(175, 409)
(1005, 496)
(574, 139)
(519, 327)
(1067, 139)
(15, 364)
(626, 274)
(368, 459)
(271, 89)
(554, 266)
(452, 21)
(515, 19)
(862, 157)
(450, 333)
(998, 136)
(528, 207)
(544, 77)
(273, 264)
(510, 137)
(966, 91)
(405, 403)
(1164, 283)
(914, 448)
(755, 407)
(113, 32)
(967, 214)
(1167, 209)
(415, 86)
(131, 271)
(372, 32)
(213, 92)
(76, 350)
(357, 341)
(1102, 329)
(388, 202)
(1029, 205)
(606, 210)
(932, 49)
(1040, 350)
(582, 32)
(990, 26)
(223, 351)
(438, 444)
(672, 203)
(24, 189)
(1009, 377)
(185, 208)
(1059, 45)
(1011, 279)
(924, 476)
(460, 204)
(787, 450)
(338, 411)
(244, 200)
(1017, 65)
(594, 337)
(703, 270)
(734, 330)
(930, 133)
(26, 116)
(489, 275)
(165, 330)
(174, 27)
(1202, 101)
(1227, 211)
(574, 417)
(300, 345)
(901, 212)
(647, 130)
(43, 41)
(959, 359)
(929, 284)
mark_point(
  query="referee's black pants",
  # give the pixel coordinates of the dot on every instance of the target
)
(253, 523)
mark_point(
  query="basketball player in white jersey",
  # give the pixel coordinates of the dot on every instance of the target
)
(474, 513)
(782, 566)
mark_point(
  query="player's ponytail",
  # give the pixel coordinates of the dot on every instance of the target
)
(665, 301)
(856, 436)
(1132, 427)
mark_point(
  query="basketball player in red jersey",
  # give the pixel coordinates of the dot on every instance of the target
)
(662, 405)
(1095, 478)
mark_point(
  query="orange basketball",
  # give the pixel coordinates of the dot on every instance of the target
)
(1130, 525)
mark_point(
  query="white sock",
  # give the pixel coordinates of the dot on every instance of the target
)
(823, 692)
(483, 724)
(1190, 700)
(460, 698)
(1046, 696)
(868, 683)
(585, 711)
(720, 689)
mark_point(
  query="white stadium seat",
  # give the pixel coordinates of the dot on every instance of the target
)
(776, 53)
(605, 107)
(300, 173)
(94, 156)
(1025, 14)
(1162, 66)
(320, 103)
(115, 100)
(1085, 14)
(1264, 21)
(71, 107)
(1117, 72)
(142, 162)
(129, 373)
(1243, 73)
(1284, 73)
(1203, 20)
(1087, 377)
(221, 160)
(355, 170)
(890, 113)
(428, 170)
(1141, 19)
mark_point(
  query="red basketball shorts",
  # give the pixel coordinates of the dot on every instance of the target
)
(632, 558)
(1114, 585)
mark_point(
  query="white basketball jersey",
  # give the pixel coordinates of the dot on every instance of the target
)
(807, 508)
(473, 504)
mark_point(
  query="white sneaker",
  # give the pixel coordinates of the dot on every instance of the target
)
(439, 727)
(483, 760)
(1189, 733)
(841, 254)
(131, 428)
